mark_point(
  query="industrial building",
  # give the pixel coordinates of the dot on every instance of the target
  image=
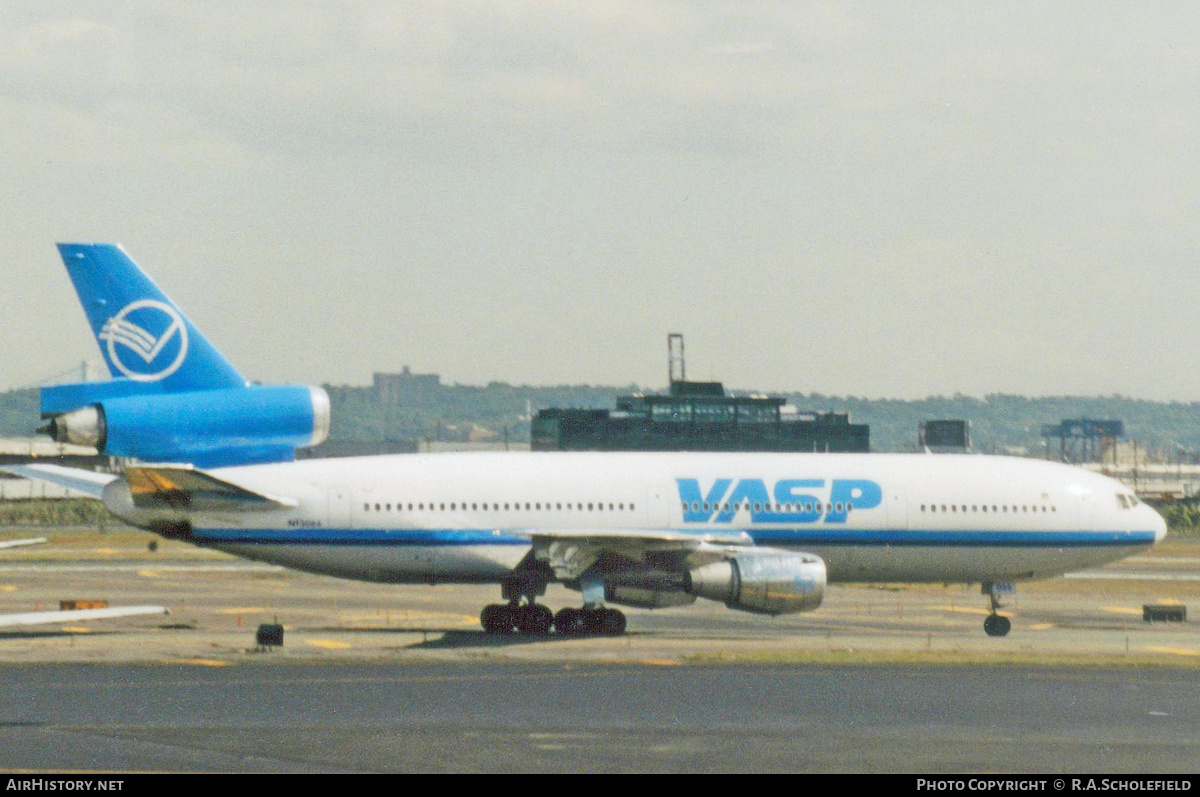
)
(696, 416)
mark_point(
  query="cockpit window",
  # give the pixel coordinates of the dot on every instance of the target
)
(1127, 501)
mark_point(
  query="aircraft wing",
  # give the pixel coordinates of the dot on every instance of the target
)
(85, 481)
(43, 618)
(19, 543)
(570, 552)
(183, 487)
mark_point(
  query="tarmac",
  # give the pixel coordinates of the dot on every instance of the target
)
(216, 603)
(384, 678)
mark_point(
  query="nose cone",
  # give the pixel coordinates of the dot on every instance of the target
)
(1158, 523)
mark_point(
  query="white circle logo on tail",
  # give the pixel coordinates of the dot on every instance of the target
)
(147, 340)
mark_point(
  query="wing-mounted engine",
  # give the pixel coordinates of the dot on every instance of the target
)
(656, 568)
(761, 580)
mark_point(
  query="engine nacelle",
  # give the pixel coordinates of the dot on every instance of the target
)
(646, 597)
(762, 580)
(208, 428)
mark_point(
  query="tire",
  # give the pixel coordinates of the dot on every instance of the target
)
(496, 618)
(612, 622)
(996, 625)
(534, 620)
(568, 622)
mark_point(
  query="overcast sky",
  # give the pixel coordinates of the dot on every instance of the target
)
(877, 199)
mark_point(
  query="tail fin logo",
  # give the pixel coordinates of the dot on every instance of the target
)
(142, 337)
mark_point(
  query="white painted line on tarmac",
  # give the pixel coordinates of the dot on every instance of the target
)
(1110, 576)
(100, 567)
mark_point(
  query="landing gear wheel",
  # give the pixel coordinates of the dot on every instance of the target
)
(996, 625)
(609, 622)
(497, 618)
(591, 620)
(534, 619)
(568, 622)
(612, 622)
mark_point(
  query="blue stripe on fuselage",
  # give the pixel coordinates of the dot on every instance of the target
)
(327, 536)
(951, 538)
(790, 537)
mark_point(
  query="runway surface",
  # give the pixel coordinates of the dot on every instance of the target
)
(401, 678)
(597, 718)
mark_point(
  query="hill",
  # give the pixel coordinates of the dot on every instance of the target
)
(412, 408)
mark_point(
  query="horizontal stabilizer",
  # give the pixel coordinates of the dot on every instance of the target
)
(88, 482)
(188, 489)
(43, 618)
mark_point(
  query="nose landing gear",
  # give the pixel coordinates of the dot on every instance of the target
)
(996, 624)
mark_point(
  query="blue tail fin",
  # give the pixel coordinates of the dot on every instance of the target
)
(142, 334)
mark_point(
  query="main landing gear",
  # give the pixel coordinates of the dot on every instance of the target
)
(524, 615)
(534, 619)
(996, 624)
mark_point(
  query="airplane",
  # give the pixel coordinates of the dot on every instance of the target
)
(65, 615)
(77, 615)
(21, 543)
(759, 532)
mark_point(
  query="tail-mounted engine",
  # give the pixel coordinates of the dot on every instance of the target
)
(208, 428)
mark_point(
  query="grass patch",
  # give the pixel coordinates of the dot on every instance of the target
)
(56, 512)
(1183, 519)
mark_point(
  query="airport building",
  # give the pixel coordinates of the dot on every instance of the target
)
(697, 416)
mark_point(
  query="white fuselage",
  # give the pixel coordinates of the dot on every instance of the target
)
(471, 517)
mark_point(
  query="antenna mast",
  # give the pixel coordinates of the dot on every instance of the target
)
(676, 370)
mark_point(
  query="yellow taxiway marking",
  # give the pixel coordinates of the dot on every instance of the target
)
(8, 588)
(149, 574)
(1041, 627)
(201, 662)
(328, 644)
(105, 551)
(1174, 651)
(1123, 610)
(76, 629)
(971, 610)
